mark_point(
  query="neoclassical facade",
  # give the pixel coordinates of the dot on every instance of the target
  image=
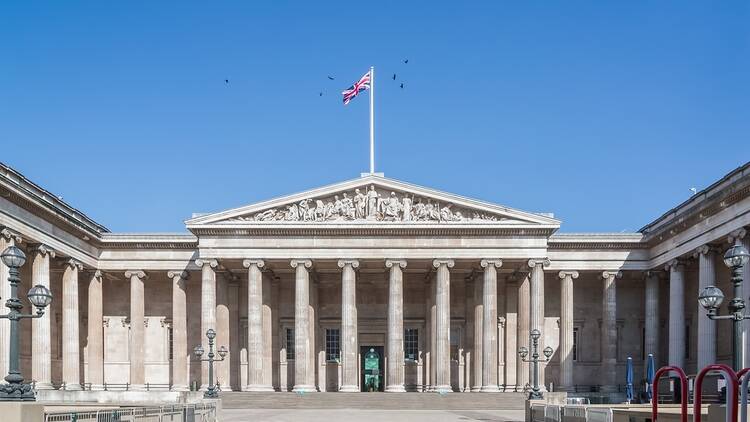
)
(369, 284)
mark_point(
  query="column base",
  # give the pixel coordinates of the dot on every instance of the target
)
(44, 386)
(476, 388)
(137, 387)
(258, 388)
(73, 387)
(442, 389)
(304, 389)
(180, 388)
(349, 389)
(396, 388)
(490, 389)
(97, 387)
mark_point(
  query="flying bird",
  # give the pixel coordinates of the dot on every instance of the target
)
(226, 81)
(406, 61)
(321, 94)
(394, 76)
(694, 190)
(402, 86)
(330, 77)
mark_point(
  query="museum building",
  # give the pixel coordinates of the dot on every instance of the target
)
(371, 284)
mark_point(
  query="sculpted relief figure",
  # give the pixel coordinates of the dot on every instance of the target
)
(369, 205)
(372, 203)
(360, 201)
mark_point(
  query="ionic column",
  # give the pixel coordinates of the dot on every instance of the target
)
(443, 324)
(740, 237)
(676, 313)
(268, 324)
(652, 316)
(302, 340)
(255, 341)
(41, 347)
(511, 333)
(608, 369)
(427, 337)
(349, 352)
(8, 238)
(536, 311)
(222, 374)
(489, 325)
(477, 355)
(706, 326)
(566, 329)
(179, 330)
(137, 329)
(95, 349)
(208, 307)
(395, 326)
(71, 341)
(524, 316)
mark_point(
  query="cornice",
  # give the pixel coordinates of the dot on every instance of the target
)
(589, 241)
(373, 231)
(147, 241)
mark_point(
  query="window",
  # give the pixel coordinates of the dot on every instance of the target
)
(575, 344)
(290, 344)
(333, 346)
(455, 336)
(411, 344)
(170, 340)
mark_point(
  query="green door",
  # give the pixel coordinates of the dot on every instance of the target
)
(372, 368)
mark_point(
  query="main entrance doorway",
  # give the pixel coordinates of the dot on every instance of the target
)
(372, 368)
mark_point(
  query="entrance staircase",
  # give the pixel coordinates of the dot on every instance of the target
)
(383, 401)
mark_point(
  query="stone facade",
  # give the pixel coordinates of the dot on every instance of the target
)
(444, 289)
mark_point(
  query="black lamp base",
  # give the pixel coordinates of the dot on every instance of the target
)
(17, 392)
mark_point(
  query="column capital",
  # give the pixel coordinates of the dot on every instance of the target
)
(736, 235)
(247, 263)
(10, 234)
(73, 264)
(389, 263)
(447, 262)
(675, 263)
(135, 273)
(344, 262)
(97, 274)
(487, 262)
(704, 250)
(181, 274)
(200, 262)
(653, 273)
(544, 262)
(304, 262)
(566, 274)
(611, 274)
(43, 249)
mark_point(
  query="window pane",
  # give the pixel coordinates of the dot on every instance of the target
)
(290, 344)
(411, 344)
(333, 348)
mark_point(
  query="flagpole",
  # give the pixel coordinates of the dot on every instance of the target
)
(372, 119)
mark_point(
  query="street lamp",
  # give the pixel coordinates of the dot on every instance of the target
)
(523, 352)
(212, 392)
(711, 298)
(40, 297)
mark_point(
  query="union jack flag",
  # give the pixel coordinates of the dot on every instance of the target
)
(362, 84)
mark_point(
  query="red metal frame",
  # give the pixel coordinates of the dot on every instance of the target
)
(683, 392)
(729, 376)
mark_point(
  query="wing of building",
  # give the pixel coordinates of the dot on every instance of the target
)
(368, 284)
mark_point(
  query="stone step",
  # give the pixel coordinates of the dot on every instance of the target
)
(390, 401)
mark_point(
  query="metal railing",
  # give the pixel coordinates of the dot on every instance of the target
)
(112, 386)
(201, 412)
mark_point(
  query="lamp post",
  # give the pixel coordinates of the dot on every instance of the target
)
(40, 297)
(524, 352)
(212, 392)
(711, 297)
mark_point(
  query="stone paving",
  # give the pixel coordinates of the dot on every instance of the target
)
(328, 415)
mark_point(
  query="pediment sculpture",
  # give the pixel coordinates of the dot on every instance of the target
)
(369, 205)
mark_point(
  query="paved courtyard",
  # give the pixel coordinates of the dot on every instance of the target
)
(327, 415)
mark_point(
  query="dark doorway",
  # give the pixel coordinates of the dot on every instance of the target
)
(372, 363)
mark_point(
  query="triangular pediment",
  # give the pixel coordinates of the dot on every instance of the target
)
(372, 199)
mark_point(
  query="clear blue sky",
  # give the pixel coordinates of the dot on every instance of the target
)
(605, 113)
